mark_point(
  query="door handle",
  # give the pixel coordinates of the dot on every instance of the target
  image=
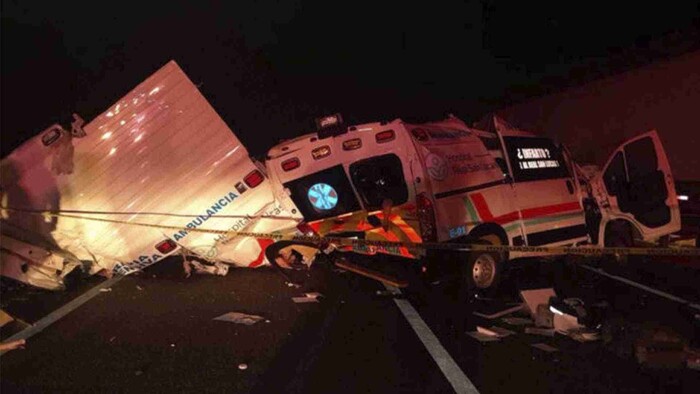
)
(570, 186)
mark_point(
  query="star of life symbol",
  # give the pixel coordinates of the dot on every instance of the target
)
(436, 166)
(322, 196)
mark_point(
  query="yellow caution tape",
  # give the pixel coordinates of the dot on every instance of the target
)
(359, 243)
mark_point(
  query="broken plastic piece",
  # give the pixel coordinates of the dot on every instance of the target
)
(303, 300)
(545, 347)
(240, 318)
(500, 331)
(483, 337)
(544, 317)
(536, 297)
(12, 345)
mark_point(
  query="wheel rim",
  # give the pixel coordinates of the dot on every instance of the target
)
(484, 271)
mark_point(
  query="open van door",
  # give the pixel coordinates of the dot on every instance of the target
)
(636, 185)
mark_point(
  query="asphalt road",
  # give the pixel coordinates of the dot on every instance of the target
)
(154, 333)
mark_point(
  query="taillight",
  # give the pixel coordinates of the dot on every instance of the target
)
(426, 218)
(166, 246)
(305, 229)
(253, 179)
(385, 136)
(290, 164)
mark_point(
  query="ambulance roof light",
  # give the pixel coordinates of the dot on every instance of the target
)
(330, 126)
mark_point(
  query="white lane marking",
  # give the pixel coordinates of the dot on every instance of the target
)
(459, 381)
(62, 311)
(643, 287)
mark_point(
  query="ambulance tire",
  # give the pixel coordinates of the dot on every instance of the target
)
(483, 270)
(618, 234)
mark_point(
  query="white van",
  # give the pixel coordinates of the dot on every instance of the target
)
(446, 182)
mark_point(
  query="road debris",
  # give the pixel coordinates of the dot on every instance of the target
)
(548, 332)
(545, 347)
(544, 317)
(215, 268)
(313, 295)
(494, 331)
(483, 337)
(106, 290)
(242, 366)
(517, 321)
(305, 299)
(494, 310)
(12, 345)
(536, 297)
(5, 318)
(240, 318)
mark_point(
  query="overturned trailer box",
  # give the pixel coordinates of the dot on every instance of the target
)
(135, 185)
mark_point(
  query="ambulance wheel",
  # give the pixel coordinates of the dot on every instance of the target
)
(483, 269)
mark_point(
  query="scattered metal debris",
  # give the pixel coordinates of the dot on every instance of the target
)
(240, 318)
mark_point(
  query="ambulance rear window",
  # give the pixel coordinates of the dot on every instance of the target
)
(379, 178)
(534, 159)
(323, 194)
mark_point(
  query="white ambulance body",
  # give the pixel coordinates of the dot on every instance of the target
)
(162, 156)
(447, 181)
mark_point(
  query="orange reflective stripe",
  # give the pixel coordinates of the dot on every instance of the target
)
(407, 229)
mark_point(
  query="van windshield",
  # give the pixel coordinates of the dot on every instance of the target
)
(323, 194)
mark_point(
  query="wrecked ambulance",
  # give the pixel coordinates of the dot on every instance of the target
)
(135, 185)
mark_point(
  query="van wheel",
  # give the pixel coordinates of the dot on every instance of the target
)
(618, 235)
(483, 269)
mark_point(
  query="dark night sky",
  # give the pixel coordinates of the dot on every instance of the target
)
(270, 67)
